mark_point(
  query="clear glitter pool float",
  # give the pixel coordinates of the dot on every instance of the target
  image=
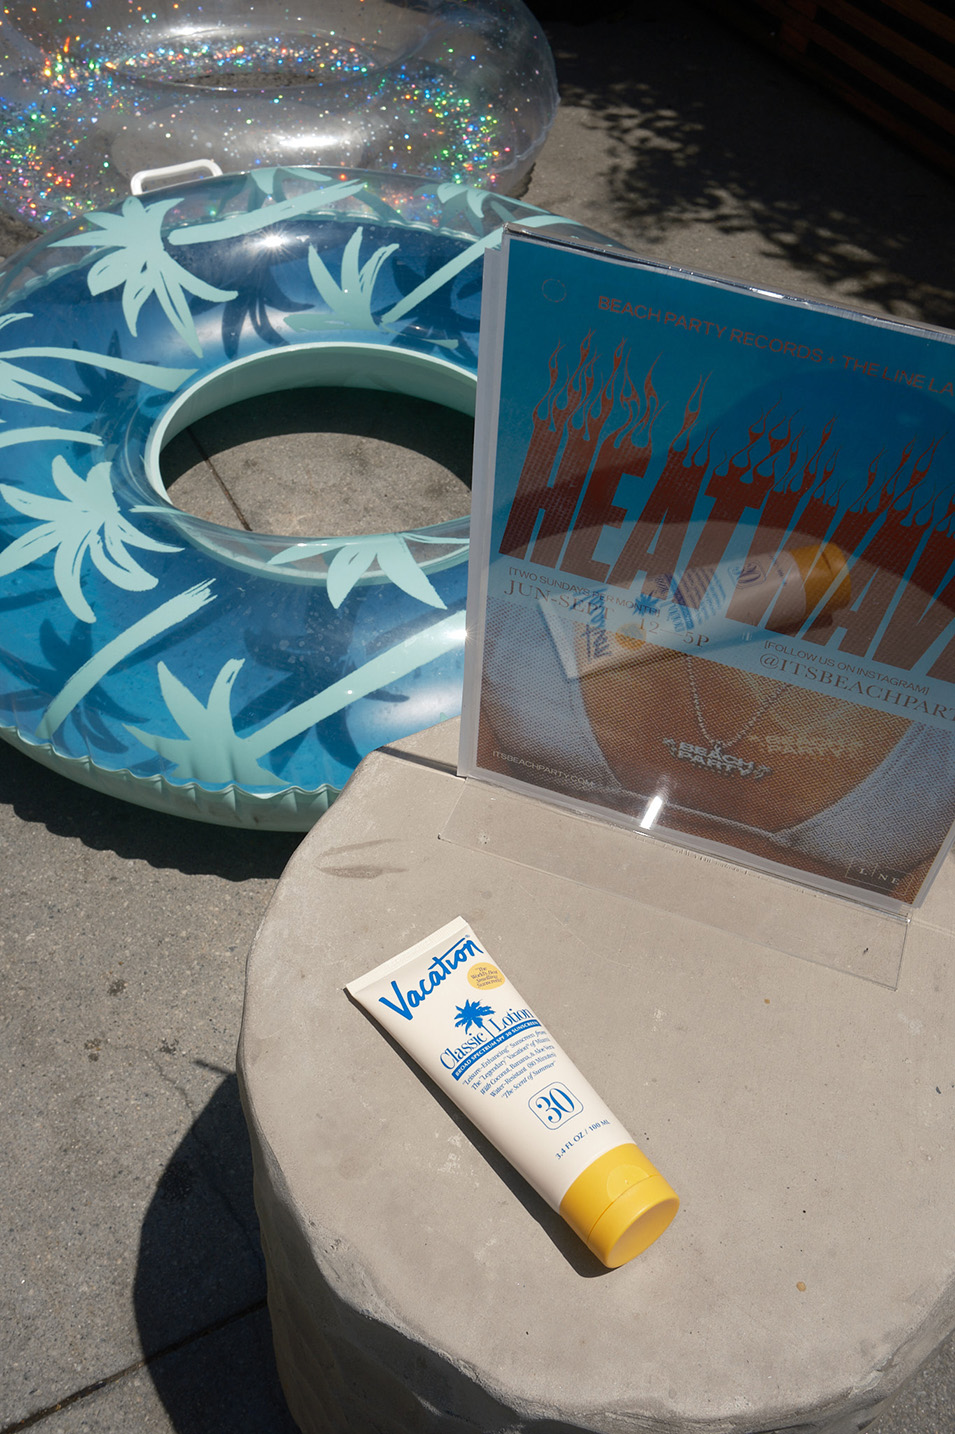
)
(217, 673)
(93, 91)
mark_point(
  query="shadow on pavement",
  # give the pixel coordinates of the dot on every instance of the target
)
(423, 427)
(199, 1292)
(103, 823)
(688, 122)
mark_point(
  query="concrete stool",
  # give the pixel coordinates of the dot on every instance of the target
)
(786, 1060)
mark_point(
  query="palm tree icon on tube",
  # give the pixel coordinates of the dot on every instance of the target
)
(472, 1013)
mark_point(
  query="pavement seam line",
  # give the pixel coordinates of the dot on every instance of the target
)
(107, 1380)
(208, 459)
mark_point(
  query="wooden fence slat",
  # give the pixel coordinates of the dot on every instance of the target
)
(885, 59)
(892, 84)
(930, 17)
(892, 41)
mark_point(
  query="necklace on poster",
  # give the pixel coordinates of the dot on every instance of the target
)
(716, 757)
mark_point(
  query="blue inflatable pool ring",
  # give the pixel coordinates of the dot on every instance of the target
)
(94, 91)
(216, 673)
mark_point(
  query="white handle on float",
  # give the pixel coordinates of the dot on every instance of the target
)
(144, 177)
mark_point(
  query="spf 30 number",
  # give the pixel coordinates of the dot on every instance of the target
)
(553, 1105)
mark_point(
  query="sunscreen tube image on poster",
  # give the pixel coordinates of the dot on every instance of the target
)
(450, 1006)
(705, 607)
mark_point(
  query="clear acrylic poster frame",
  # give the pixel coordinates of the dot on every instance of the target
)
(646, 433)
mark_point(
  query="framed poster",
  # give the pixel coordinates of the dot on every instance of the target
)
(712, 586)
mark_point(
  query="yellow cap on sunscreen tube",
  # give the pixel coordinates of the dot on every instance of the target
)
(821, 568)
(619, 1205)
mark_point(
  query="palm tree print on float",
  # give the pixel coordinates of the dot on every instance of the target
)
(353, 557)
(85, 520)
(137, 260)
(20, 385)
(208, 727)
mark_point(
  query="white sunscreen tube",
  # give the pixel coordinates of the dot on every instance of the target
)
(705, 608)
(452, 1009)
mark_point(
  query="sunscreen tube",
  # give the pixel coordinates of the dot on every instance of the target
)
(451, 1007)
(704, 609)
